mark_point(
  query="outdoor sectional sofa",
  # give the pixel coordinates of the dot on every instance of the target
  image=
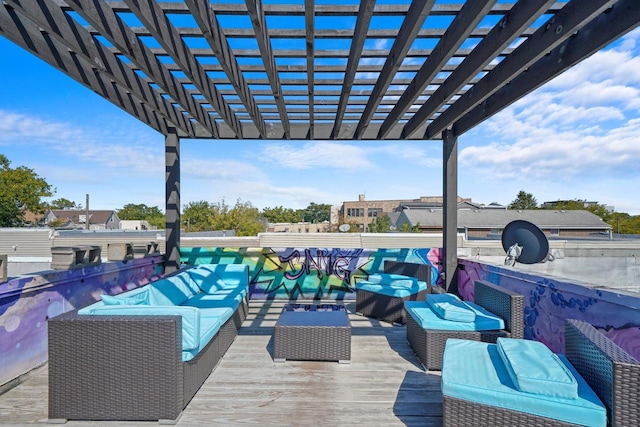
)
(427, 332)
(520, 382)
(382, 295)
(144, 353)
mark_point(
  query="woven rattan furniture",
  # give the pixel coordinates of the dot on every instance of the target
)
(312, 332)
(611, 372)
(129, 367)
(428, 344)
(389, 308)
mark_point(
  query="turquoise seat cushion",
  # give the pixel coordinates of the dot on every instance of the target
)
(218, 309)
(213, 277)
(392, 290)
(474, 371)
(534, 368)
(172, 290)
(191, 332)
(454, 310)
(209, 327)
(427, 318)
(390, 278)
(120, 300)
(203, 301)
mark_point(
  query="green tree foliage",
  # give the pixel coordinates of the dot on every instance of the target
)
(195, 216)
(380, 225)
(280, 214)
(243, 218)
(316, 213)
(152, 214)
(524, 200)
(21, 190)
(64, 204)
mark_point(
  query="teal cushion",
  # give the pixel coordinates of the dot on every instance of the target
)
(393, 289)
(111, 300)
(534, 368)
(169, 291)
(190, 318)
(427, 318)
(473, 371)
(456, 311)
(212, 277)
(442, 298)
(396, 280)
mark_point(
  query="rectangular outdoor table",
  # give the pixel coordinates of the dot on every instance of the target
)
(313, 332)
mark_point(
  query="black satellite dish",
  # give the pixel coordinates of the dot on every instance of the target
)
(524, 242)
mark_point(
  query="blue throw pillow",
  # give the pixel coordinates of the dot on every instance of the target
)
(534, 368)
(111, 300)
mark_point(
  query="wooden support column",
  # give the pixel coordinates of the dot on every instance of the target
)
(450, 209)
(172, 200)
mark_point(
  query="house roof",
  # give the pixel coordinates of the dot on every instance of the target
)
(95, 216)
(314, 70)
(499, 218)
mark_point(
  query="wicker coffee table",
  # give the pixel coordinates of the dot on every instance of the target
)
(313, 332)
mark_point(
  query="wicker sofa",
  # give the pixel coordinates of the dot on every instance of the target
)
(130, 361)
(428, 343)
(608, 371)
(389, 306)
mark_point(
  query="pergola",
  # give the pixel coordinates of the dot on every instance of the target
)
(311, 69)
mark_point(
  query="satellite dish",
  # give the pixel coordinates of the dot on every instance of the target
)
(344, 228)
(524, 242)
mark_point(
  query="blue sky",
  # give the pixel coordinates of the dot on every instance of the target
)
(578, 137)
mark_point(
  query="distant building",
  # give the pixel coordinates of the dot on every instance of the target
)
(489, 223)
(362, 212)
(77, 219)
(299, 227)
(135, 224)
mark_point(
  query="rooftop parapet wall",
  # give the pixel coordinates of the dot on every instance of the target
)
(26, 302)
(549, 301)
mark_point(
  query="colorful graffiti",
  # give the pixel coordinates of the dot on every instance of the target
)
(310, 273)
(549, 302)
(26, 302)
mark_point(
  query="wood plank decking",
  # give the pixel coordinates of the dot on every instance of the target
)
(384, 385)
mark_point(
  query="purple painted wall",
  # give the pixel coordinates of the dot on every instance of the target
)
(27, 302)
(548, 302)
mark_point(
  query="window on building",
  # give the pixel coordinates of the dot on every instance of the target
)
(554, 232)
(355, 212)
(374, 212)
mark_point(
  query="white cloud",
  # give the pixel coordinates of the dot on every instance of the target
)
(323, 154)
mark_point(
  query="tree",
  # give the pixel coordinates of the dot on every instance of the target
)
(196, 216)
(21, 190)
(280, 214)
(64, 204)
(523, 201)
(152, 214)
(380, 225)
(315, 213)
(243, 218)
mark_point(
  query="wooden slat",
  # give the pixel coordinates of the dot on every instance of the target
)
(521, 16)
(103, 18)
(547, 37)
(411, 25)
(623, 17)
(207, 20)
(150, 13)
(464, 22)
(384, 385)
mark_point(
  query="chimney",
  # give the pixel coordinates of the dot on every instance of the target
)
(361, 197)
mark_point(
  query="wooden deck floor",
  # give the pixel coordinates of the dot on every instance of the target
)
(384, 385)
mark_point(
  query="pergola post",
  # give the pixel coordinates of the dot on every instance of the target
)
(450, 209)
(172, 200)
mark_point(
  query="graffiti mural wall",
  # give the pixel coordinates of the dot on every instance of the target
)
(310, 273)
(26, 302)
(548, 302)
